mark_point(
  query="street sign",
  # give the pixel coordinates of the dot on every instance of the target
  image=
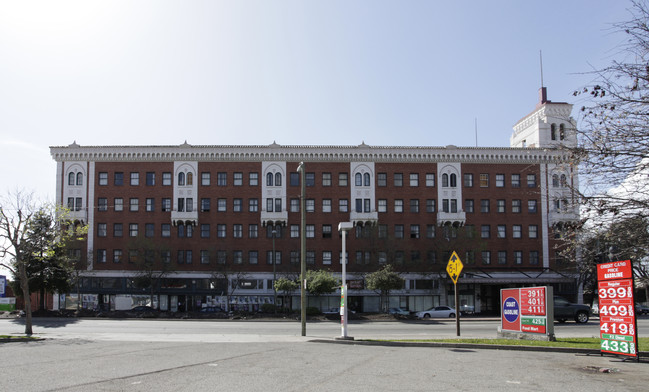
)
(454, 267)
(527, 310)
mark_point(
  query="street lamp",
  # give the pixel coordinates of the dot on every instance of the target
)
(274, 271)
(344, 227)
(300, 169)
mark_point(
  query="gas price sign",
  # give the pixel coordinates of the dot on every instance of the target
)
(525, 310)
(617, 322)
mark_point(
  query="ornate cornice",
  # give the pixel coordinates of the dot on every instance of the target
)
(295, 153)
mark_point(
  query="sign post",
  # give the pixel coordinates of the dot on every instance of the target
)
(454, 268)
(618, 326)
(343, 228)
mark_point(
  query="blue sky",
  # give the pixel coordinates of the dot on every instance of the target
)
(294, 72)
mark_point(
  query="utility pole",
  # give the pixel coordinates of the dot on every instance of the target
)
(300, 169)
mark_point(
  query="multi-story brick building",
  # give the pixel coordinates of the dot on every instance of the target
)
(209, 217)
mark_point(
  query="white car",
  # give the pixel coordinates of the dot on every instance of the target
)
(437, 311)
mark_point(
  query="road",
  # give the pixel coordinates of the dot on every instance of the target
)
(157, 330)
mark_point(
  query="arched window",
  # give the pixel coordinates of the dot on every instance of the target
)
(562, 132)
(278, 179)
(181, 178)
(71, 178)
(190, 178)
(555, 180)
(79, 178)
(366, 179)
(553, 131)
(444, 180)
(453, 180)
(269, 179)
(359, 179)
(564, 182)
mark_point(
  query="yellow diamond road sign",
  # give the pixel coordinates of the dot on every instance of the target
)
(454, 267)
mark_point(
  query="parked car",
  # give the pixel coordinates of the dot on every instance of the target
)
(211, 309)
(641, 309)
(142, 308)
(438, 311)
(467, 309)
(399, 311)
(564, 310)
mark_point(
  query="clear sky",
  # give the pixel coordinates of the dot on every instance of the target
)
(295, 72)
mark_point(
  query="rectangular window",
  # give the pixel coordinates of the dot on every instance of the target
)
(383, 231)
(531, 180)
(534, 257)
(119, 204)
(309, 179)
(414, 205)
(500, 180)
(430, 205)
(166, 205)
(253, 205)
(150, 178)
(117, 255)
(516, 206)
(237, 231)
(398, 205)
(398, 179)
(101, 230)
(326, 257)
(469, 206)
(135, 178)
(531, 206)
(414, 231)
(132, 230)
(118, 230)
(430, 179)
(502, 231)
(221, 257)
(295, 231)
(326, 231)
(166, 179)
(383, 205)
(484, 205)
(343, 179)
(516, 180)
(103, 178)
(149, 230)
(431, 257)
(165, 230)
(189, 204)
(119, 179)
(134, 204)
(326, 179)
(294, 179)
(468, 180)
(237, 205)
(150, 204)
(484, 180)
(237, 257)
(343, 205)
(101, 255)
(517, 231)
(485, 231)
(253, 231)
(205, 256)
(500, 205)
(398, 231)
(310, 205)
(310, 257)
(253, 257)
(206, 179)
(486, 257)
(326, 205)
(222, 205)
(102, 204)
(278, 205)
(237, 179)
(205, 230)
(414, 179)
(205, 205)
(253, 179)
(518, 257)
(295, 205)
(533, 231)
(221, 230)
(445, 205)
(502, 257)
(430, 231)
(188, 256)
(382, 179)
(222, 179)
(310, 231)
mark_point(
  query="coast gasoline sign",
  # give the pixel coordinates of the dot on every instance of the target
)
(526, 310)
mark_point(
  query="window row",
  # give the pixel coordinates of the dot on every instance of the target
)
(484, 180)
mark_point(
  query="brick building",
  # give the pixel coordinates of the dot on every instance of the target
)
(209, 217)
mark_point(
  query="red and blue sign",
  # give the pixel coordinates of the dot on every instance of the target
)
(511, 310)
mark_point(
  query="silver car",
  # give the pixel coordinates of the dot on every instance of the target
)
(437, 311)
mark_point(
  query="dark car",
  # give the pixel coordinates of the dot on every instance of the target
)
(142, 308)
(211, 309)
(564, 310)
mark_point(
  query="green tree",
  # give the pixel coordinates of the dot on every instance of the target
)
(319, 282)
(383, 281)
(286, 286)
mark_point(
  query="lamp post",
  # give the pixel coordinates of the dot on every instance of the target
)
(300, 169)
(274, 271)
(344, 227)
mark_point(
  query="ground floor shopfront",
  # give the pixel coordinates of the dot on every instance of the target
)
(187, 292)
